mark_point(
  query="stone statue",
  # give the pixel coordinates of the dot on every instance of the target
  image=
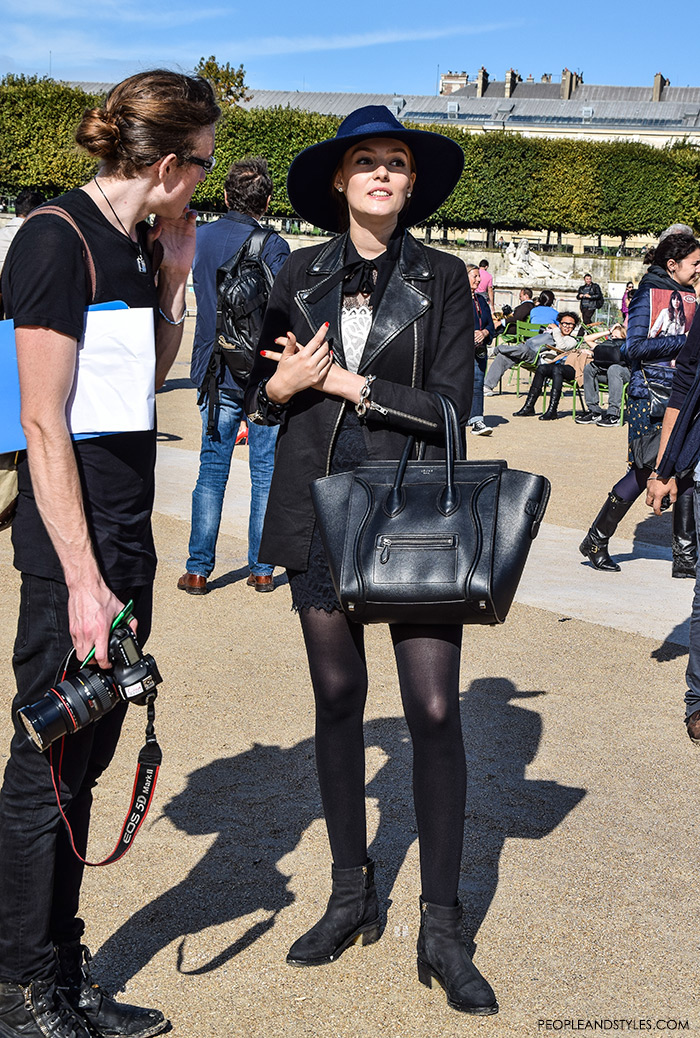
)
(529, 266)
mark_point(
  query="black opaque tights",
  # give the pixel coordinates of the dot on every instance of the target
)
(427, 660)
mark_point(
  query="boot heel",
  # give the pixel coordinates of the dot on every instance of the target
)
(371, 935)
(425, 974)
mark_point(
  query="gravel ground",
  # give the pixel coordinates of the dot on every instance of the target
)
(578, 855)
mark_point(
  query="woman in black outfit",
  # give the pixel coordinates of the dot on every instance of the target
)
(673, 267)
(386, 324)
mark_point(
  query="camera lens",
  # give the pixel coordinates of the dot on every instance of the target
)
(68, 707)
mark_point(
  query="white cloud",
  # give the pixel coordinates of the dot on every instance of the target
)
(304, 44)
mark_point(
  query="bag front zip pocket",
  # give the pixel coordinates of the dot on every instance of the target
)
(428, 560)
(414, 542)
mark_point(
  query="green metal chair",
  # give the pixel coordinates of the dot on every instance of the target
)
(524, 331)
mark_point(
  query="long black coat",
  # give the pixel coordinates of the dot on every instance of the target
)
(421, 342)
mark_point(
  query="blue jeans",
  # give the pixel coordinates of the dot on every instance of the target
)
(214, 467)
(477, 411)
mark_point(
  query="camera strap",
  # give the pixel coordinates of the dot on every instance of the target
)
(148, 765)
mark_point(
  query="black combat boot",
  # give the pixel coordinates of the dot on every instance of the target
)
(352, 913)
(106, 1018)
(38, 1010)
(683, 544)
(442, 956)
(595, 544)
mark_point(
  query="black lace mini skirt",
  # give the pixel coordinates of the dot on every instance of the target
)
(312, 588)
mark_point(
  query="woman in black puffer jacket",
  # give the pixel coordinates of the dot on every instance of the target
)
(673, 267)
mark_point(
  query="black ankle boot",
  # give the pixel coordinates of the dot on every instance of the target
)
(550, 415)
(683, 544)
(38, 1010)
(442, 956)
(107, 1018)
(352, 912)
(595, 544)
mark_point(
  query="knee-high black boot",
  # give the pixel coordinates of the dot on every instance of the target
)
(528, 408)
(683, 543)
(595, 544)
(550, 414)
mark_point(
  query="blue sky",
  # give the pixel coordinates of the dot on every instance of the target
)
(367, 46)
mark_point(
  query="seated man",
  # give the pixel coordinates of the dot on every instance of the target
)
(521, 312)
(616, 375)
(560, 337)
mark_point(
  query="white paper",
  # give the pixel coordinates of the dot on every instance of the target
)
(114, 385)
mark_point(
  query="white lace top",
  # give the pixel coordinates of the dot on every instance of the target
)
(356, 321)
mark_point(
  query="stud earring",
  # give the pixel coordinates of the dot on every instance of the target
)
(339, 188)
(409, 194)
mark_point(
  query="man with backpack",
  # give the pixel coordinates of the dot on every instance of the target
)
(234, 265)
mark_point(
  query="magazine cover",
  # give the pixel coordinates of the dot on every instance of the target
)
(671, 312)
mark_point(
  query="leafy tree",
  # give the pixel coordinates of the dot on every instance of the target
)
(228, 82)
(38, 118)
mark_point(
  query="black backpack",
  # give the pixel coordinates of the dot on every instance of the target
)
(243, 286)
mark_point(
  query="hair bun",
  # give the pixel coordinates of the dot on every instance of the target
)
(99, 134)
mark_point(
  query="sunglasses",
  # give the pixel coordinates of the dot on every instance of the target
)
(206, 164)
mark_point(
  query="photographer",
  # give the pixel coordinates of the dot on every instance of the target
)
(82, 534)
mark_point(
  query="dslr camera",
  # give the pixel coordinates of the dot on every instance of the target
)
(90, 693)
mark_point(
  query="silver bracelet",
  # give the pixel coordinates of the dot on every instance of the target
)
(363, 403)
(174, 323)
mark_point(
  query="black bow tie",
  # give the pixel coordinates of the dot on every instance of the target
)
(356, 277)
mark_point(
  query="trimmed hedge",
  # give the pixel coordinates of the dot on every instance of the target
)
(510, 182)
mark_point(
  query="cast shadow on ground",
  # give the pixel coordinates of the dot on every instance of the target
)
(235, 576)
(675, 645)
(261, 802)
(176, 383)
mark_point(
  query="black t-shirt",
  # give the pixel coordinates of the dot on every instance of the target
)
(45, 284)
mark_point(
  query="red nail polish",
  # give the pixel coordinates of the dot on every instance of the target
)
(263, 353)
(326, 325)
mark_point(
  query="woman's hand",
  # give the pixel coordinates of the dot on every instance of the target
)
(298, 367)
(658, 489)
(172, 243)
(479, 335)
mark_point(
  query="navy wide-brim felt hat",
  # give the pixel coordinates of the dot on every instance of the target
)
(439, 163)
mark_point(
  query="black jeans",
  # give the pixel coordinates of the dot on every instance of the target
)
(40, 876)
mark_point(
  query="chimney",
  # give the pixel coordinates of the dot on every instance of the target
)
(530, 78)
(512, 78)
(482, 81)
(451, 81)
(660, 83)
(570, 81)
(546, 78)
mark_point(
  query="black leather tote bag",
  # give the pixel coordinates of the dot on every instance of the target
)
(429, 542)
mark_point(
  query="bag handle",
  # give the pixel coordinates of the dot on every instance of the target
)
(450, 497)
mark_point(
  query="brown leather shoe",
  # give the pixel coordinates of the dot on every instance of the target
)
(692, 723)
(262, 582)
(193, 584)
